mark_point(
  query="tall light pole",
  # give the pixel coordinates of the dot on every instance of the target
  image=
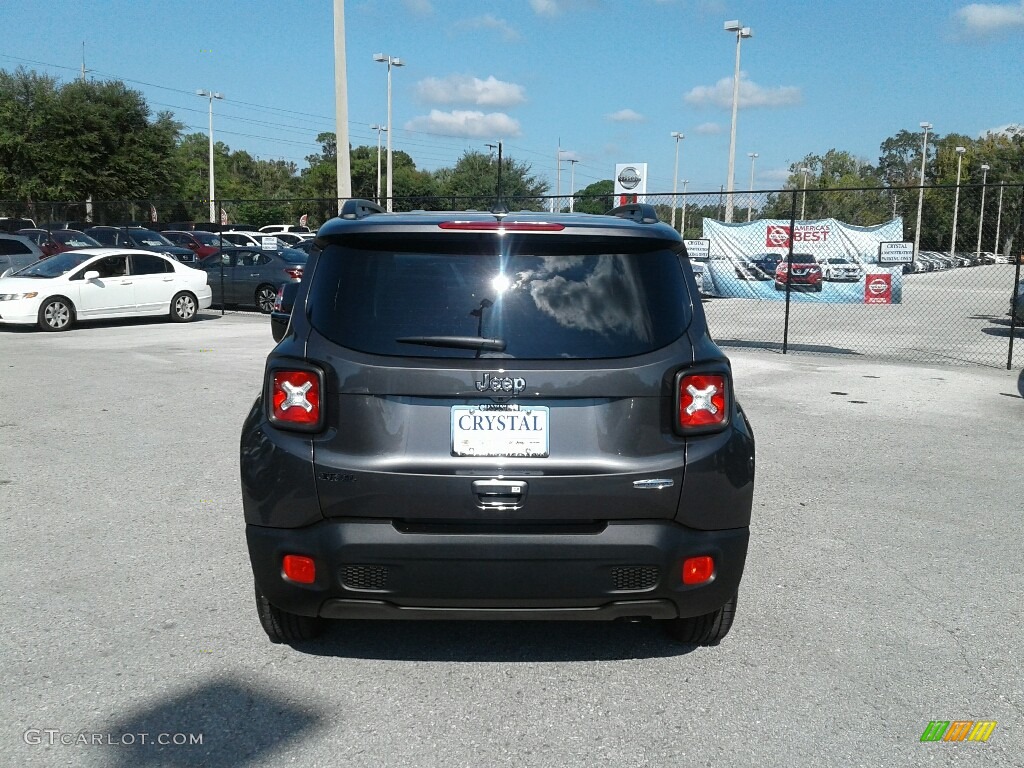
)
(741, 32)
(675, 175)
(920, 193)
(956, 198)
(750, 207)
(981, 215)
(999, 214)
(343, 158)
(392, 61)
(379, 129)
(211, 95)
(803, 200)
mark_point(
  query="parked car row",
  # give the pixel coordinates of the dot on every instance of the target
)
(934, 261)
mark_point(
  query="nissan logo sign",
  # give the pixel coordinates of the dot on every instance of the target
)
(629, 178)
(878, 286)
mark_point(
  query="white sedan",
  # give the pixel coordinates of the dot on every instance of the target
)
(100, 284)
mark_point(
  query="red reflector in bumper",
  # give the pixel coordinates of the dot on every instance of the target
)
(299, 568)
(697, 570)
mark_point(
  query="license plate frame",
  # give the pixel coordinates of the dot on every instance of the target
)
(523, 431)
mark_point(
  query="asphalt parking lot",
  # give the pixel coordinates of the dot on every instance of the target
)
(882, 588)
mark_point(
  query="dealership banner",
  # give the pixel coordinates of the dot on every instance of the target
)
(842, 267)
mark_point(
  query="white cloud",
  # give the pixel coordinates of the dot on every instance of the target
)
(708, 129)
(774, 175)
(488, 22)
(1010, 129)
(545, 7)
(463, 89)
(991, 19)
(466, 124)
(420, 7)
(751, 94)
(555, 7)
(568, 154)
(625, 116)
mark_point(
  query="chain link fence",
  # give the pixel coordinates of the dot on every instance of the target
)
(793, 271)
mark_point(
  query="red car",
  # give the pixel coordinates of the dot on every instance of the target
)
(58, 240)
(806, 273)
(202, 243)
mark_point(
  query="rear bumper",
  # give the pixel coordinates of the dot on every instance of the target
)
(370, 569)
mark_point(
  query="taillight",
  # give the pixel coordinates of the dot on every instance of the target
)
(703, 402)
(294, 272)
(279, 299)
(295, 399)
(500, 226)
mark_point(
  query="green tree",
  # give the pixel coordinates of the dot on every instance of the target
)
(596, 197)
(70, 141)
(473, 183)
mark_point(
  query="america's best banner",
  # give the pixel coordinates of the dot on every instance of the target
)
(833, 261)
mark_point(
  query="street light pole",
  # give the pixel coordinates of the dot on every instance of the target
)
(956, 199)
(999, 214)
(920, 193)
(741, 32)
(981, 215)
(803, 200)
(392, 61)
(750, 207)
(211, 95)
(675, 175)
(379, 129)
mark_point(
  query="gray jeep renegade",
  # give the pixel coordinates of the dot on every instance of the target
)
(497, 416)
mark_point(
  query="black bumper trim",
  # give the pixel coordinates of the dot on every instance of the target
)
(380, 609)
(496, 575)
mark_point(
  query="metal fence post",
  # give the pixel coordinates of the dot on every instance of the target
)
(1017, 245)
(789, 271)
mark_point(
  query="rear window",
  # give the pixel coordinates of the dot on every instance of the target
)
(546, 297)
(13, 247)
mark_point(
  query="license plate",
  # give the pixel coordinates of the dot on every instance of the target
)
(500, 430)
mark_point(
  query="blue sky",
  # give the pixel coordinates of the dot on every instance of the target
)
(607, 80)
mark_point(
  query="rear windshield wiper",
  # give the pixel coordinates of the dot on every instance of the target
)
(456, 342)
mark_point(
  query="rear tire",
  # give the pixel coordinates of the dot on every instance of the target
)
(284, 627)
(184, 307)
(708, 629)
(266, 295)
(56, 314)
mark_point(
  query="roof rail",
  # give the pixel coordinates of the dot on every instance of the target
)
(642, 212)
(359, 209)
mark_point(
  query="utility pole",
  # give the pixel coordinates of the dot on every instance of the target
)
(84, 70)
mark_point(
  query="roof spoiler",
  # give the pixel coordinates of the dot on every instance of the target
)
(359, 209)
(641, 212)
